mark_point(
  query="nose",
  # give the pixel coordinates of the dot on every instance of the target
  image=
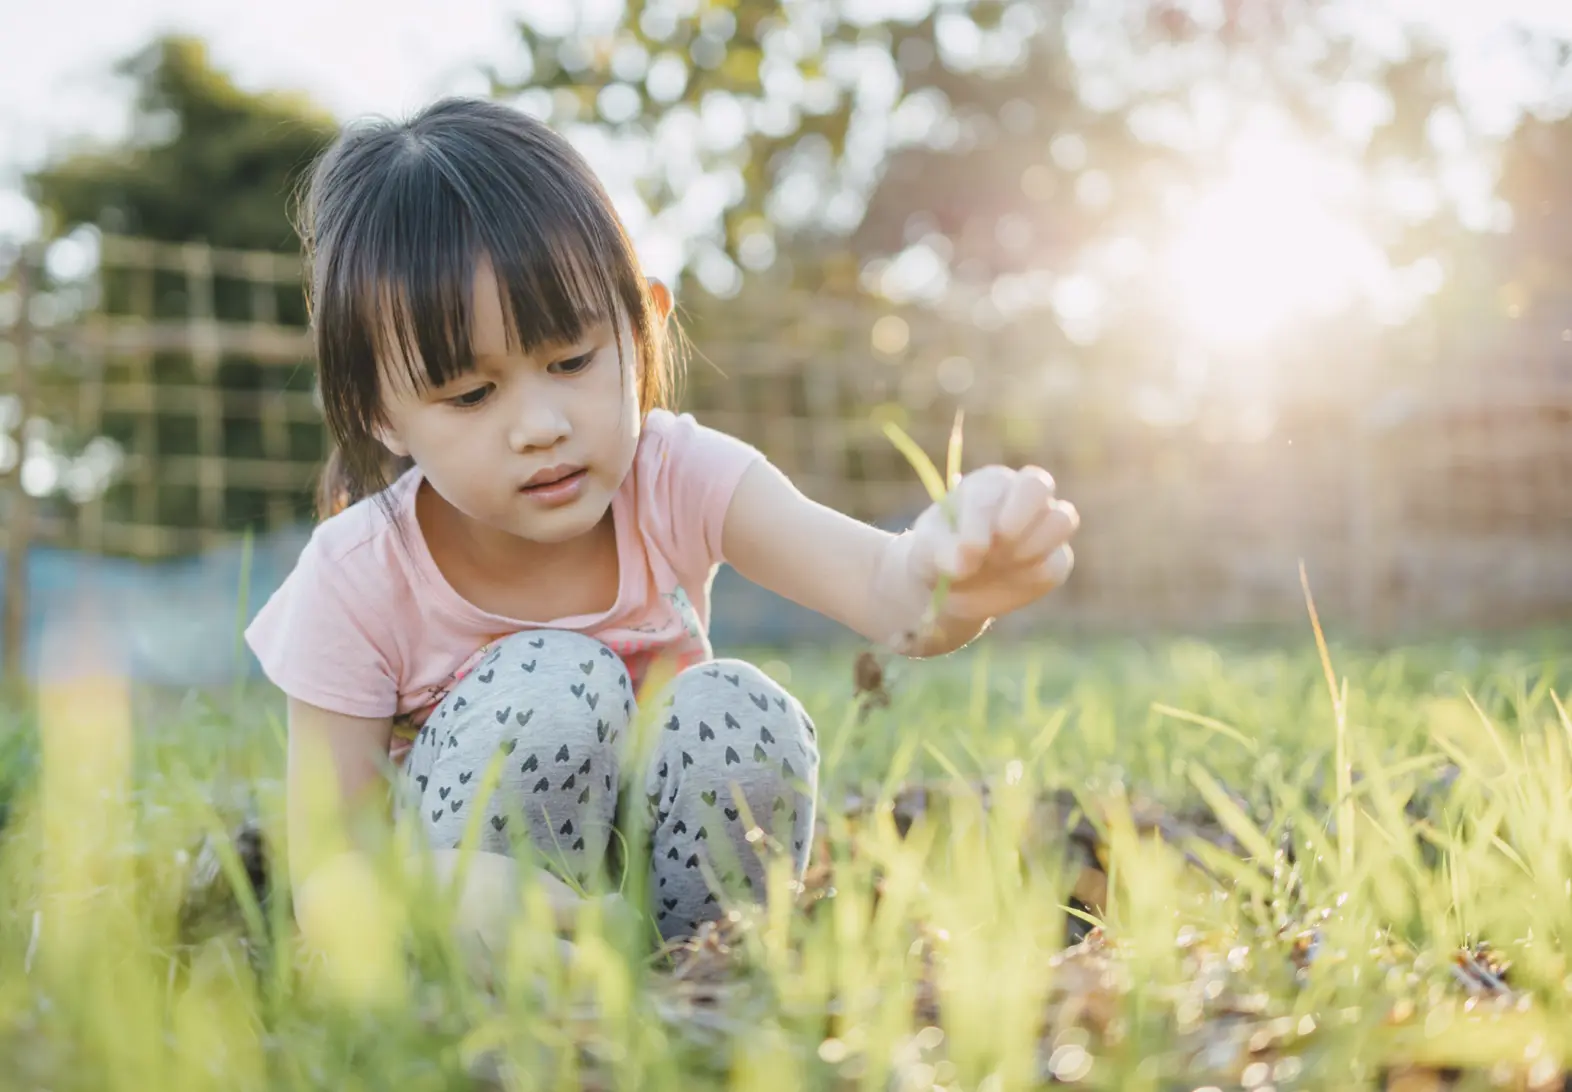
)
(538, 422)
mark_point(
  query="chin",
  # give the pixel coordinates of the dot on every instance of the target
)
(564, 524)
(554, 535)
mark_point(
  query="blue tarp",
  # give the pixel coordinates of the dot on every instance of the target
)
(177, 623)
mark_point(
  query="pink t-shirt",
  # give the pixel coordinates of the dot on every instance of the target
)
(366, 625)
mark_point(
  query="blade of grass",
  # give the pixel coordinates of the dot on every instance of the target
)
(1511, 854)
(1344, 772)
(1414, 765)
(1491, 731)
(1208, 723)
(963, 786)
(242, 610)
(938, 489)
(899, 767)
(1235, 821)
(1561, 714)
(243, 595)
(222, 843)
(1090, 919)
(952, 463)
(1046, 737)
(919, 460)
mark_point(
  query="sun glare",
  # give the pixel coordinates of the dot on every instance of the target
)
(1266, 246)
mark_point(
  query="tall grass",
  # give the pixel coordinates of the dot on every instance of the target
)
(1346, 852)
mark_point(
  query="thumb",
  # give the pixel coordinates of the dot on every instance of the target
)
(929, 549)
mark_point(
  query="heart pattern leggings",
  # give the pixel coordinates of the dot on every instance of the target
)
(729, 778)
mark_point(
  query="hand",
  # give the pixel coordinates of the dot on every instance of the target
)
(1009, 545)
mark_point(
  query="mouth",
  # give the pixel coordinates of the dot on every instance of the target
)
(552, 477)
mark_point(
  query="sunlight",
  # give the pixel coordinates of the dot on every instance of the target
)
(1266, 247)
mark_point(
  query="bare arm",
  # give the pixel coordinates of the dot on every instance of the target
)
(331, 774)
(840, 567)
(334, 778)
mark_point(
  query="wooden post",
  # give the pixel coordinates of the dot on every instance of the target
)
(19, 517)
(1370, 553)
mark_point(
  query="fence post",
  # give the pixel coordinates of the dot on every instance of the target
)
(1371, 550)
(19, 521)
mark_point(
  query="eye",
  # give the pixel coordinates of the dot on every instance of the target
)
(471, 398)
(573, 365)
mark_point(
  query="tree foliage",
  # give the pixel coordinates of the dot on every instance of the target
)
(206, 160)
(1019, 133)
(980, 153)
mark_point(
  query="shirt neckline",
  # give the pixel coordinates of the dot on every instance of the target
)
(449, 599)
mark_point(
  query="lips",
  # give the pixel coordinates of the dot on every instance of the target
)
(552, 475)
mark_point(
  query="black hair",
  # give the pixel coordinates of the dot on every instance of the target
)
(397, 217)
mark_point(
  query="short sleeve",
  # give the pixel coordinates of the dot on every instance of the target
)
(318, 638)
(699, 471)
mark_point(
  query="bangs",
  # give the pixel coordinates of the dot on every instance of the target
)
(399, 219)
(405, 287)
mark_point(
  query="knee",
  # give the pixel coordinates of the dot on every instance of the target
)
(569, 672)
(735, 693)
(731, 681)
(535, 686)
(555, 647)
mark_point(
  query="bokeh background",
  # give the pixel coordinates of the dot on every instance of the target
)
(1261, 281)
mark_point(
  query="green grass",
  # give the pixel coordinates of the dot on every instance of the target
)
(1307, 941)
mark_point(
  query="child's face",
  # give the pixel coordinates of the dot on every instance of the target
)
(530, 445)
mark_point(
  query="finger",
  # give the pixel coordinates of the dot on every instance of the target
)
(1056, 567)
(1030, 493)
(1055, 525)
(979, 497)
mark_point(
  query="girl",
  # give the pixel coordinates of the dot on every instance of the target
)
(516, 535)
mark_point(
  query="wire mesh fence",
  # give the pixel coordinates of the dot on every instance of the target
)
(172, 408)
(179, 406)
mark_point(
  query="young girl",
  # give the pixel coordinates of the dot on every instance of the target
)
(517, 535)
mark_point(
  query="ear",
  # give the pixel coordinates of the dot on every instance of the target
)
(662, 295)
(390, 440)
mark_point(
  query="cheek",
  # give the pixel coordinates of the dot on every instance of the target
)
(394, 433)
(621, 431)
(616, 402)
(417, 432)
(440, 442)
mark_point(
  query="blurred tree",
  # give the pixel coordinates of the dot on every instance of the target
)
(1010, 157)
(1506, 300)
(1537, 249)
(205, 160)
(744, 110)
(947, 105)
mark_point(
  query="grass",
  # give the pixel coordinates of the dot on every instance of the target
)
(1301, 922)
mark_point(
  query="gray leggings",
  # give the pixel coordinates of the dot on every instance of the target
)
(729, 776)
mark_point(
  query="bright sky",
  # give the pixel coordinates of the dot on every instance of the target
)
(389, 56)
(354, 57)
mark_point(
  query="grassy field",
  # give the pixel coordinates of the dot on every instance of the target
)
(1123, 866)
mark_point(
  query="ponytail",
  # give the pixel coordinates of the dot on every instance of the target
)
(335, 490)
(340, 485)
